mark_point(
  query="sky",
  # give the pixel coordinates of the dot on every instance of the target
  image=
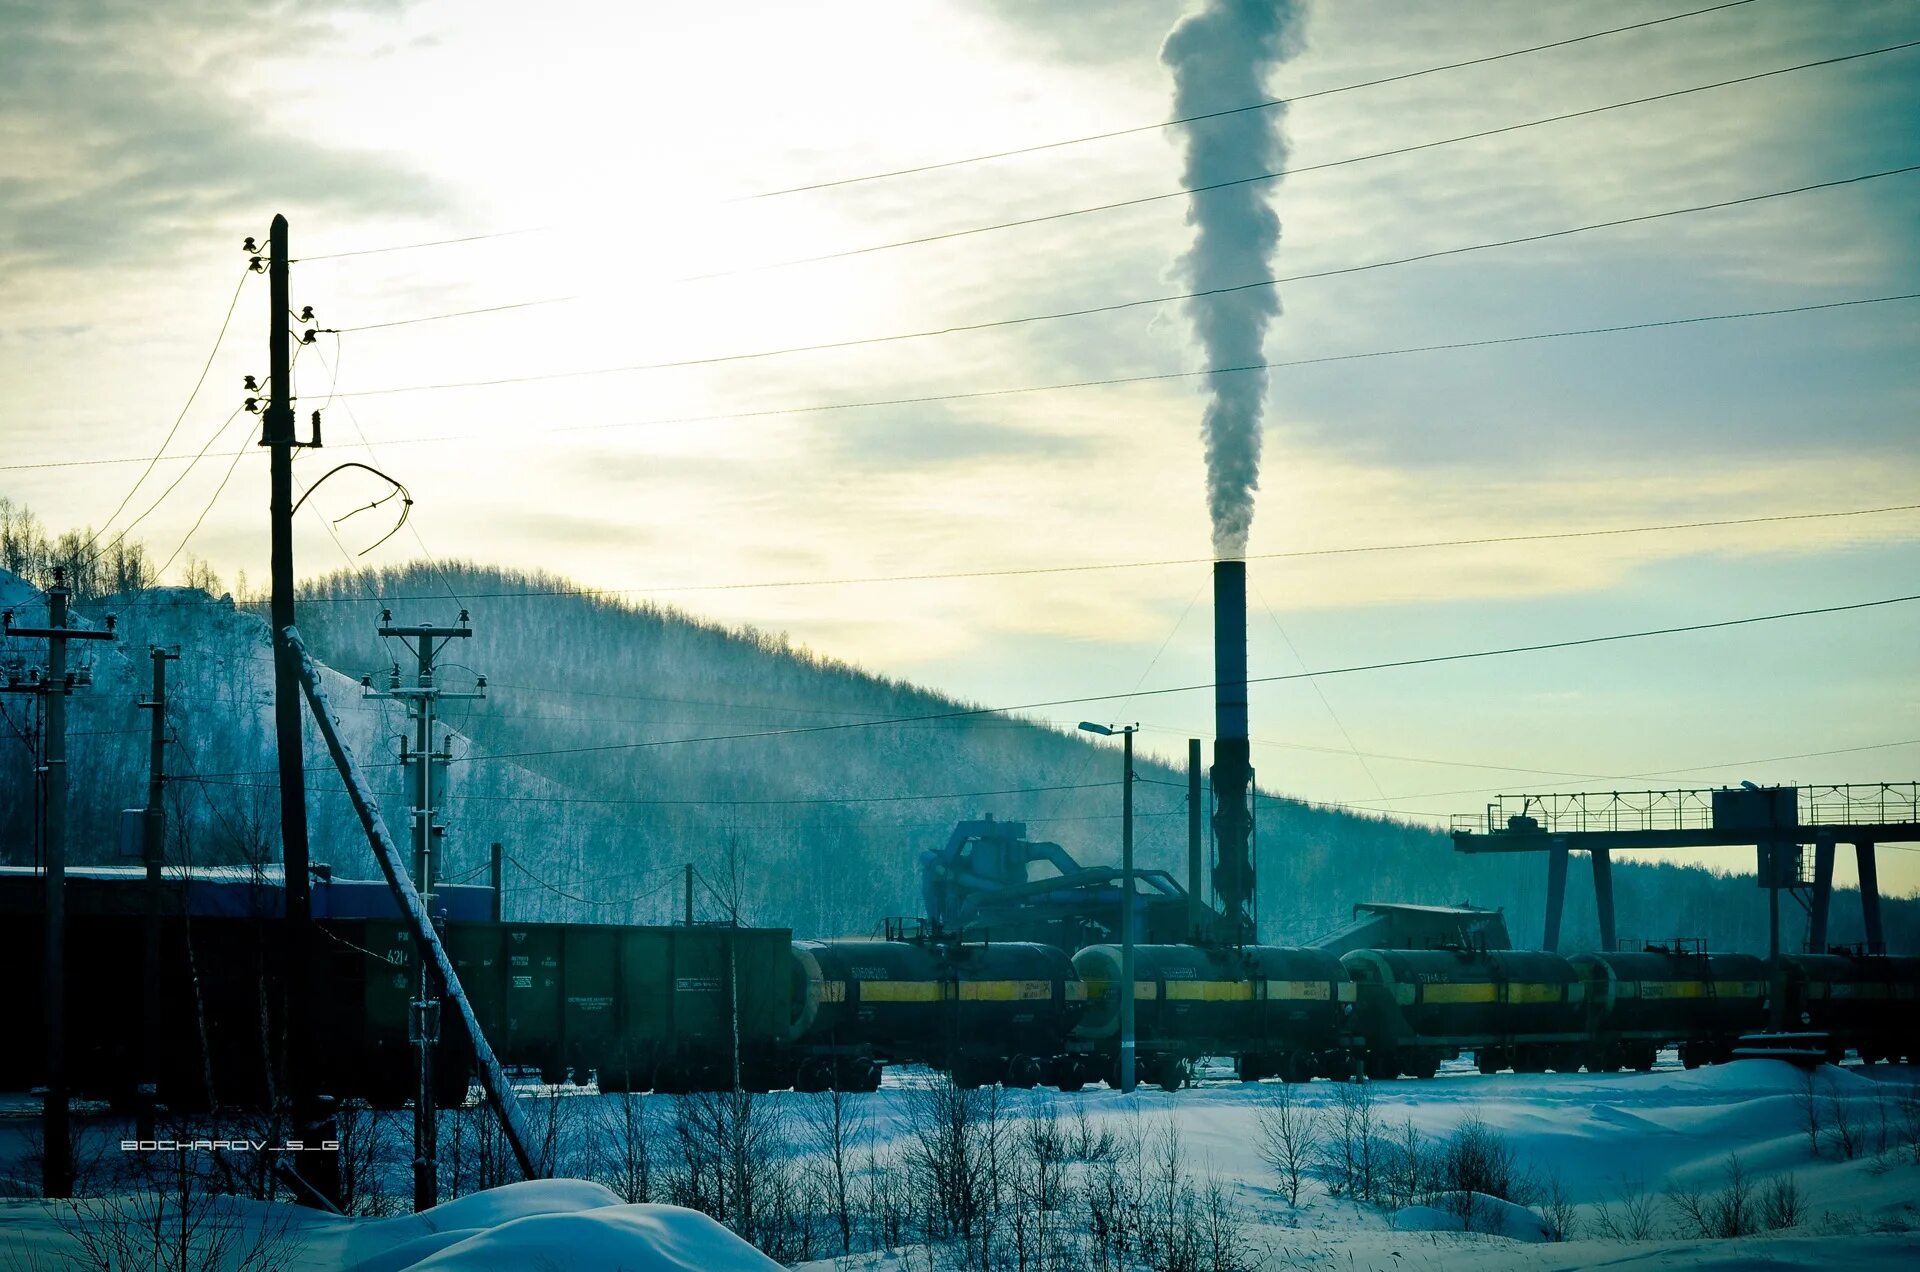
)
(617, 163)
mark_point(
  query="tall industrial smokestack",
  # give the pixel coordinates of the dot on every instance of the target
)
(1232, 756)
(1222, 54)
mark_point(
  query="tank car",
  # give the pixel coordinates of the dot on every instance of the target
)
(1515, 1009)
(1277, 1011)
(986, 1011)
(1868, 1003)
(1638, 1002)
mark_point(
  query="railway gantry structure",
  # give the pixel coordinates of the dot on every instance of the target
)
(1779, 822)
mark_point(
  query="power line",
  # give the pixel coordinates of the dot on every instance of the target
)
(1266, 104)
(409, 247)
(1426, 660)
(1147, 301)
(922, 399)
(1673, 772)
(1016, 572)
(205, 367)
(1183, 191)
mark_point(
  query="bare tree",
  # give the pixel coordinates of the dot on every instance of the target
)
(623, 1145)
(836, 1124)
(1289, 1142)
(1351, 1149)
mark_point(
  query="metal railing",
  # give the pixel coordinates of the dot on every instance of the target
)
(1837, 804)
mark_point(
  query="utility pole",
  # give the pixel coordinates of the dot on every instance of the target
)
(57, 1153)
(302, 946)
(1126, 945)
(153, 854)
(496, 878)
(1196, 921)
(1127, 899)
(422, 697)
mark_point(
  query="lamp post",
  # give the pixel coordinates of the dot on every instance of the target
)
(1126, 897)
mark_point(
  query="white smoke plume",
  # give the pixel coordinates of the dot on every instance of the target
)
(1222, 54)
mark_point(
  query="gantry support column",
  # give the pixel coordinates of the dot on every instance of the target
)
(1556, 895)
(1822, 904)
(1870, 898)
(1603, 896)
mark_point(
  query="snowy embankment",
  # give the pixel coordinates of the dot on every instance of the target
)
(1641, 1171)
(546, 1224)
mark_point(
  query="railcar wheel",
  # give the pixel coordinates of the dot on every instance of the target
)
(1171, 1074)
(1422, 1065)
(1298, 1067)
(1489, 1060)
(1023, 1073)
(813, 1076)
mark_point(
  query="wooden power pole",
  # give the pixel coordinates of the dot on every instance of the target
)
(56, 1169)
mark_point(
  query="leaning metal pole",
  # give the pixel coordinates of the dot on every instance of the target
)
(492, 1076)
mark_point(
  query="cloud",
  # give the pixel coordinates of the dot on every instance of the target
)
(128, 129)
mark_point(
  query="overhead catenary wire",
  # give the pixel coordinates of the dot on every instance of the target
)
(1144, 301)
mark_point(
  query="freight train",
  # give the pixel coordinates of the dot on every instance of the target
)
(678, 1009)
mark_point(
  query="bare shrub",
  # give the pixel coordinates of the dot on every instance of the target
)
(166, 1215)
(1556, 1207)
(1629, 1216)
(1781, 1203)
(1730, 1212)
(1289, 1138)
(953, 1145)
(1477, 1161)
(1807, 1098)
(1844, 1131)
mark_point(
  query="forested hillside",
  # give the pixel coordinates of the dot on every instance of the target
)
(618, 741)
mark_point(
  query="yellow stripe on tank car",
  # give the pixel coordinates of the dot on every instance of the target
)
(1473, 992)
(1536, 992)
(1006, 991)
(1739, 989)
(1349, 992)
(1657, 990)
(1857, 989)
(833, 991)
(1077, 991)
(1301, 991)
(1209, 991)
(879, 991)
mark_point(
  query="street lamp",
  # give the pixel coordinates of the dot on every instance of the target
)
(1126, 897)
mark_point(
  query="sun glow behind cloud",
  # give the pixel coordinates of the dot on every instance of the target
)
(622, 135)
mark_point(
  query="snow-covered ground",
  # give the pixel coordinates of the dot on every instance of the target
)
(1600, 1141)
